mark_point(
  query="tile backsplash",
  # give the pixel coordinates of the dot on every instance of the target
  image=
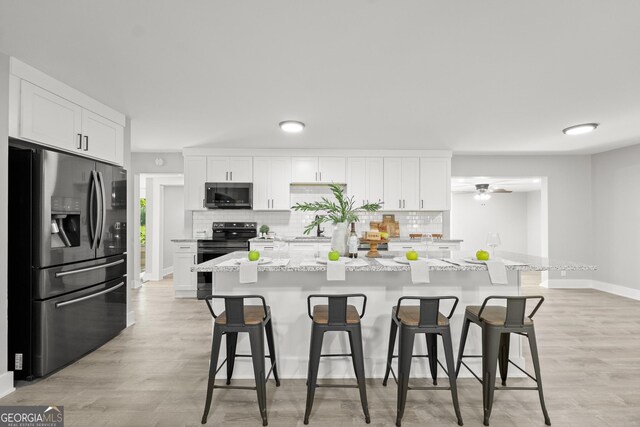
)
(292, 223)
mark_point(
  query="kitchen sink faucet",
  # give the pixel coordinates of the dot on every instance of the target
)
(319, 231)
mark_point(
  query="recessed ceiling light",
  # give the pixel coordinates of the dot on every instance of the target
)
(292, 126)
(580, 129)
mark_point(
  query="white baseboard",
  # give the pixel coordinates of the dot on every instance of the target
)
(135, 284)
(566, 283)
(131, 318)
(598, 285)
(622, 291)
(167, 271)
(6, 384)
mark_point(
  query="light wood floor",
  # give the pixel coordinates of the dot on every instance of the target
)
(154, 374)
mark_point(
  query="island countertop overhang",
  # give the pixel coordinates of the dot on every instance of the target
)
(296, 260)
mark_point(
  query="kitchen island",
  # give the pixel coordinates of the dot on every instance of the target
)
(286, 288)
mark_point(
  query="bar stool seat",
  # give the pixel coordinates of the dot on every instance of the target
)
(254, 320)
(253, 315)
(321, 314)
(338, 315)
(410, 315)
(409, 321)
(494, 315)
(497, 324)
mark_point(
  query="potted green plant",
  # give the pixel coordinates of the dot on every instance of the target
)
(340, 212)
(264, 230)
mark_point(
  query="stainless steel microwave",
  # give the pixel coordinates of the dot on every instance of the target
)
(225, 195)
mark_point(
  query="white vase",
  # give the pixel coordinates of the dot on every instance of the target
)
(339, 238)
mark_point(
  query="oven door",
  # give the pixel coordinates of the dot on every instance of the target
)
(229, 195)
(205, 279)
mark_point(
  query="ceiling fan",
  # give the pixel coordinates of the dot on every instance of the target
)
(483, 191)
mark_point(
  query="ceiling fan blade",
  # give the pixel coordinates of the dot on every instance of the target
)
(501, 190)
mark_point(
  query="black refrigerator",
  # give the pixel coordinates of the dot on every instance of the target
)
(67, 257)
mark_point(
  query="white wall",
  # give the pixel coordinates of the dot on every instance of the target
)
(145, 163)
(616, 215)
(568, 182)
(505, 214)
(172, 223)
(534, 223)
(155, 196)
(6, 378)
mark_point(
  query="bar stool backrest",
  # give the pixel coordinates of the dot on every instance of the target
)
(234, 307)
(516, 308)
(429, 309)
(337, 306)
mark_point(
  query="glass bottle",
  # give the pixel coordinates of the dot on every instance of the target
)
(353, 242)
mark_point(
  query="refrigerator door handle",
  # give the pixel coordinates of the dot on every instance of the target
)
(102, 210)
(92, 224)
(97, 294)
(84, 270)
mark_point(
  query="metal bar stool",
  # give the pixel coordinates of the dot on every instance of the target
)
(255, 320)
(498, 323)
(421, 319)
(337, 315)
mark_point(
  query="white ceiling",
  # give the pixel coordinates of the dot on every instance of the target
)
(485, 76)
(517, 185)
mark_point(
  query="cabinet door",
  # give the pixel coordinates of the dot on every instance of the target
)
(435, 184)
(261, 193)
(49, 119)
(410, 184)
(279, 183)
(304, 169)
(183, 278)
(241, 169)
(303, 247)
(357, 179)
(332, 169)
(102, 138)
(217, 169)
(375, 179)
(195, 175)
(392, 184)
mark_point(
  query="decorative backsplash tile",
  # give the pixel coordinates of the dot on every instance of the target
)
(292, 223)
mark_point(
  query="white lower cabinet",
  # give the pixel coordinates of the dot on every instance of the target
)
(435, 246)
(407, 246)
(267, 246)
(185, 282)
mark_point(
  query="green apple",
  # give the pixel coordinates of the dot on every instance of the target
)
(384, 235)
(482, 255)
(254, 255)
(333, 256)
(412, 255)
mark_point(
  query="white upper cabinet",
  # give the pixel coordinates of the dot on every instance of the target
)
(365, 179)
(318, 170)
(332, 169)
(304, 169)
(48, 118)
(195, 176)
(229, 169)
(401, 183)
(435, 184)
(271, 181)
(48, 112)
(102, 138)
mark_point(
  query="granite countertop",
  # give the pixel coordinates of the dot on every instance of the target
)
(328, 239)
(532, 263)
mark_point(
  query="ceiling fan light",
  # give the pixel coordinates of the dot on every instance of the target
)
(580, 129)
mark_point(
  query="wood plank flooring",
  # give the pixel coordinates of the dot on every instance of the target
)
(154, 374)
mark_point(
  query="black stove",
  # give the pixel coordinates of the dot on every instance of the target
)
(227, 237)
